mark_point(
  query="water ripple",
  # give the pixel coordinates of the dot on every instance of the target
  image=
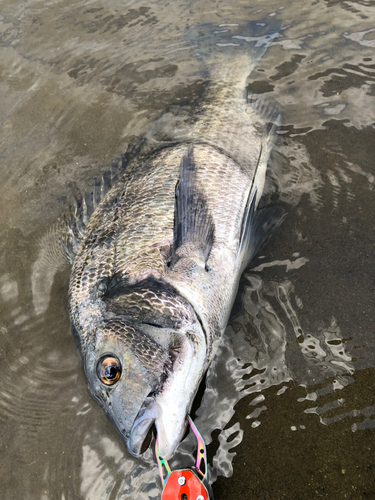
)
(250, 361)
(81, 80)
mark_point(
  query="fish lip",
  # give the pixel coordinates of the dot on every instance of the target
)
(142, 424)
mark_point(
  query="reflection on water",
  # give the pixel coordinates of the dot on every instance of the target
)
(288, 409)
(274, 351)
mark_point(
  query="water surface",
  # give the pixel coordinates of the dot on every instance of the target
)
(289, 408)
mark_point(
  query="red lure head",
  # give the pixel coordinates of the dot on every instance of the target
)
(184, 485)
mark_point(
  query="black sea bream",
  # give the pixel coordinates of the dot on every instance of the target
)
(157, 270)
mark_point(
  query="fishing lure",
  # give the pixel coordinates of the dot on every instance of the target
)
(189, 483)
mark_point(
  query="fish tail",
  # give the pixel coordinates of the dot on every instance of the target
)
(243, 45)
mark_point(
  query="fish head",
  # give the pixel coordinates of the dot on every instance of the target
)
(123, 368)
(144, 375)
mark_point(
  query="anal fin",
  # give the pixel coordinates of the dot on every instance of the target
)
(257, 227)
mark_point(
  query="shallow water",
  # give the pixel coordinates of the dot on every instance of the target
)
(289, 407)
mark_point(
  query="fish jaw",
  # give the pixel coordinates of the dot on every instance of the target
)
(142, 424)
(176, 398)
(169, 408)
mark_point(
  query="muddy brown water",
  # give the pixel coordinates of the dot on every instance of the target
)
(289, 408)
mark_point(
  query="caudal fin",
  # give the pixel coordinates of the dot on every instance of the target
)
(213, 43)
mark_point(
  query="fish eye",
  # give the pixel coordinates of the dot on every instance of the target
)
(109, 369)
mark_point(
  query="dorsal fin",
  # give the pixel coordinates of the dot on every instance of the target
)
(58, 246)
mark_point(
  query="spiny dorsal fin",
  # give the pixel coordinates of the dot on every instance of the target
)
(53, 256)
(57, 247)
(193, 225)
(257, 226)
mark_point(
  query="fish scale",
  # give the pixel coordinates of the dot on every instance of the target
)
(147, 222)
(151, 354)
(151, 306)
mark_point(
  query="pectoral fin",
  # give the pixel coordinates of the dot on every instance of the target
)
(194, 229)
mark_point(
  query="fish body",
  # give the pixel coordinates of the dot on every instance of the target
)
(156, 273)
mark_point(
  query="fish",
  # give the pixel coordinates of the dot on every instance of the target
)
(157, 266)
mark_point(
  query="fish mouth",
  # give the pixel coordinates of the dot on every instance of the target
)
(141, 431)
(166, 409)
